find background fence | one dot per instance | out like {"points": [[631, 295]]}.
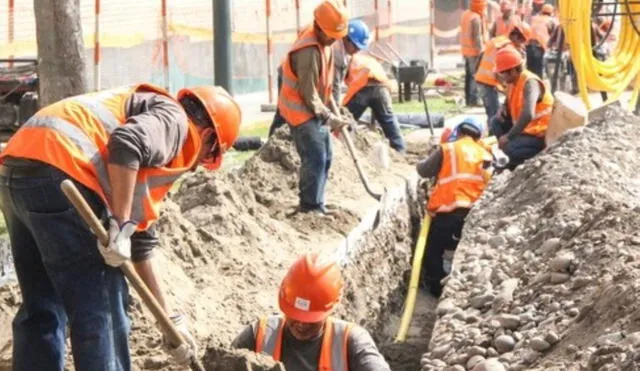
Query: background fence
{"points": [[132, 36]]}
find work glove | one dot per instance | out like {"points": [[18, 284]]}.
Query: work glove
{"points": [[336, 122], [183, 353], [119, 248], [344, 112]]}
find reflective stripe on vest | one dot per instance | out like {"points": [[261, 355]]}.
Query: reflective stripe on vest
{"points": [[333, 353], [540, 28], [467, 43], [540, 121], [461, 179], [485, 72], [362, 68], [72, 135], [290, 102]]}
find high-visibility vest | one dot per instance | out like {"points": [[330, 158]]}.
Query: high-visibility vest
{"points": [[290, 102], [485, 73], [362, 68], [503, 27], [72, 135], [540, 28], [333, 354], [540, 122], [469, 48], [461, 179]]}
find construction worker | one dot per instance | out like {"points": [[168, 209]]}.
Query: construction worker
{"points": [[522, 121], [503, 24], [542, 25], [123, 148], [472, 37], [307, 104], [459, 168], [368, 85], [485, 75], [306, 337]]}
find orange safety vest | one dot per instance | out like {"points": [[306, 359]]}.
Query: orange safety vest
{"points": [[540, 27], [290, 102], [72, 135], [461, 179], [540, 122], [362, 68], [466, 38], [333, 354], [503, 27], [485, 73]]}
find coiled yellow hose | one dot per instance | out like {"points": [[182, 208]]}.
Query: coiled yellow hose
{"points": [[616, 73]]}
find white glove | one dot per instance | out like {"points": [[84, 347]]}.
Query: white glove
{"points": [[336, 122], [183, 353], [119, 248], [344, 112]]}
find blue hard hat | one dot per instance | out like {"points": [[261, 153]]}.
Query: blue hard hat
{"points": [[359, 34], [471, 124]]}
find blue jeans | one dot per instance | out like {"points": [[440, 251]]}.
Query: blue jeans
{"points": [[63, 280], [521, 147], [470, 87], [313, 144], [535, 59], [379, 99], [490, 99]]}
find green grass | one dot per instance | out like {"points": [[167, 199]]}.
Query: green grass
{"points": [[259, 129], [436, 105]]}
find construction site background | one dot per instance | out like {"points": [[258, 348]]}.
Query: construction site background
{"points": [[131, 36]]}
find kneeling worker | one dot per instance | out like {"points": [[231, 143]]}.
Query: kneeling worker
{"points": [[522, 122], [368, 85], [306, 338], [459, 169]]}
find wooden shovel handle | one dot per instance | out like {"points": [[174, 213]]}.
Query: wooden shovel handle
{"points": [[175, 338]]}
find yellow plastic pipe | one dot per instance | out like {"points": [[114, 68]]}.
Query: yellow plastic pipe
{"points": [[410, 302]]}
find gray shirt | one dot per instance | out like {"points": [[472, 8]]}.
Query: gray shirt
{"points": [[298, 355]]}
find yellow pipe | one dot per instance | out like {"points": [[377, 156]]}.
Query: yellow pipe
{"points": [[410, 302]]}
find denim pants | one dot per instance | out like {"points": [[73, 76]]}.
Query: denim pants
{"points": [[490, 99], [379, 99], [521, 147], [313, 144], [63, 280], [470, 87], [535, 59]]}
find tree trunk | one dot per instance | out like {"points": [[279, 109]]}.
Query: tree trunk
{"points": [[61, 56]]}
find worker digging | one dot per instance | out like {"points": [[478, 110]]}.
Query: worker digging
{"points": [[173, 228]]}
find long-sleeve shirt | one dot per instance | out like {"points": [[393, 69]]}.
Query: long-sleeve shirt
{"points": [[303, 355], [306, 64]]}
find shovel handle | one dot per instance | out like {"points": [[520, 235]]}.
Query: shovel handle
{"points": [[175, 338], [363, 176]]}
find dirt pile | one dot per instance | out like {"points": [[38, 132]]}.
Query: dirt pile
{"points": [[546, 276]]}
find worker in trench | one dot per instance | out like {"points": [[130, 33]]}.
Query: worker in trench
{"points": [[472, 38], [485, 75], [521, 123], [542, 26], [306, 337], [123, 148], [307, 104], [368, 85], [459, 167]]}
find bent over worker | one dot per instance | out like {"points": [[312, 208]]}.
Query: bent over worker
{"points": [[123, 149], [306, 101], [306, 337], [368, 85], [459, 169], [521, 123], [472, 36], [485, 75]]}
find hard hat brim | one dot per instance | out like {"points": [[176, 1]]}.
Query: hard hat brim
{"points": [[300, 315]]}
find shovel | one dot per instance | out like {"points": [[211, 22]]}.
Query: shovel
{"points": [[363, 176], [175, 338]]}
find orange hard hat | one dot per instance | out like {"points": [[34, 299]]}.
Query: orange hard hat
{"points": [[547, 9], [311, 288], [506, 5], [444, 137], [225, 114], [524, 29], [507, 58], [538, 2], [478, 6], [332, 18]]}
